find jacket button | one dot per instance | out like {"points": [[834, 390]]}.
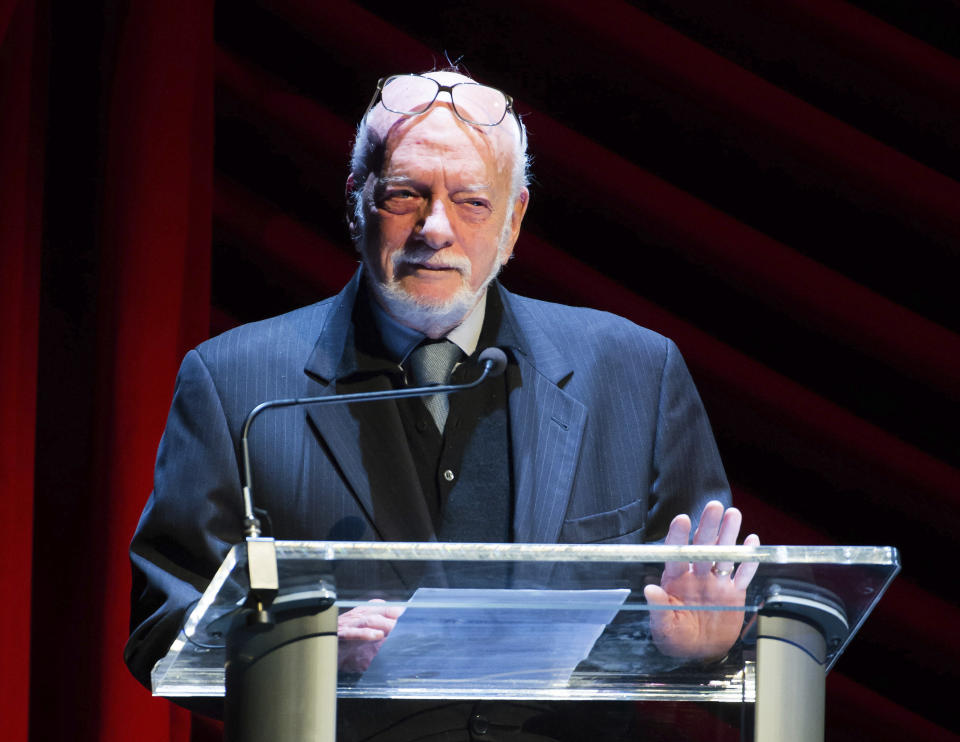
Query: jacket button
{"points": [[479, 724], [448, 475]]}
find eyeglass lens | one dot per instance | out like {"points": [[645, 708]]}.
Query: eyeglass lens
{"points": [[472, 102]]}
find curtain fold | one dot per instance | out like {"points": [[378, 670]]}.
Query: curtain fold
{"points": [[128, 293], [22, 91], [154, 306]]}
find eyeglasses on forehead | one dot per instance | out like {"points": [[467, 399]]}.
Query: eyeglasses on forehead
{"points": [[471, 102]]}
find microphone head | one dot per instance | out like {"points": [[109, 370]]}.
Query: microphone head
{"points": [[495, 359]]}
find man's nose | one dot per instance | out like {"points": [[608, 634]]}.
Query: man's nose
{"points": [[436, 230]]}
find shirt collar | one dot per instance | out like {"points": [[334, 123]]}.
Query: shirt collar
{"points": [[466, 335]]}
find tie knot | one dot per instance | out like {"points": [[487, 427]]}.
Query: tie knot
{"points": [[432, 361]]}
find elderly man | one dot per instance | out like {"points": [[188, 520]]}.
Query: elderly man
{"points": [[593, 434]]}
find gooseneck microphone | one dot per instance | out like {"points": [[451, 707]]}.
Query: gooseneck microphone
{"points": [[493, 360], [261, 552]]}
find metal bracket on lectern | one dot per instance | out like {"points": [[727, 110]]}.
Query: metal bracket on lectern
{"points": [[264, 581]]}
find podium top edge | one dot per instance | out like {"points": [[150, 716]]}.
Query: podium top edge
{"points": [[442, 551]]}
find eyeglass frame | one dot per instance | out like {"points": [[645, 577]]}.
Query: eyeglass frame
{"points": [[508, 99]]}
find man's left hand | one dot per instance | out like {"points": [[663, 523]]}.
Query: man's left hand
{"points": [[701, 634]]}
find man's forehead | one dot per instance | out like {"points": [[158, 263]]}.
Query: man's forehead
{"points": [[420, 144]]}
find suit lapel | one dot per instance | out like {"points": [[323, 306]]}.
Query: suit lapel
{"points": [[546, 431], [366, 441], [368, 444]]}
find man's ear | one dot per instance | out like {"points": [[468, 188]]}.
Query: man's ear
{"points": [[350, 213], [518, 209]]}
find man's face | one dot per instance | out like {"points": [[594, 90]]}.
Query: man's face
{"points": [[440, 216]]}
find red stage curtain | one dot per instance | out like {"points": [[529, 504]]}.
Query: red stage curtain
{"points": [[155, 304], [22, 90], [152, 119], [156, 275]]}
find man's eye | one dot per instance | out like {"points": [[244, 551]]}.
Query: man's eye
{"points": [[400, 201]]}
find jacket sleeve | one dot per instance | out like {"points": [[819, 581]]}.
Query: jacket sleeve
{"points": [[687, 472], [190, 521]]}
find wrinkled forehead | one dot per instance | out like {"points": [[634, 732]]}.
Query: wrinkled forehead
{"points": [[437, 141]]}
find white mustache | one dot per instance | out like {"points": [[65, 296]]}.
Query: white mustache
{"points": [[431, 259]]}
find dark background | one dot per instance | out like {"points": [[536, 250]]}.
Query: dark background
{"points": [[773, 184]]}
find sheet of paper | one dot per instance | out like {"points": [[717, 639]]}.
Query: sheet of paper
{"points": [[464, 637]]}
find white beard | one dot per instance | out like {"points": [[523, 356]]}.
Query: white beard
{"points": [[434, 318]]}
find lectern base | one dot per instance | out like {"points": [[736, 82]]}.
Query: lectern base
{"points": [[281, 681], [791, 683]]}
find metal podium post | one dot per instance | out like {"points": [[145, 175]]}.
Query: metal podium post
{"points": [[281, 678], [797, 626]]}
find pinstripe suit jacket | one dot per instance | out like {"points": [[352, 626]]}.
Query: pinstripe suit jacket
{"points": [[608, 436]]}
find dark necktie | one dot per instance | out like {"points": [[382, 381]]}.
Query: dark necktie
{"points": [[432, 362]]}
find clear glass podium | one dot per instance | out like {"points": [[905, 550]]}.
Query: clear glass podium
{"points": [[545, 622]]}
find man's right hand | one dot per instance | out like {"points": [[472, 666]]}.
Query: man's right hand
{"points": [[361, 631]]}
